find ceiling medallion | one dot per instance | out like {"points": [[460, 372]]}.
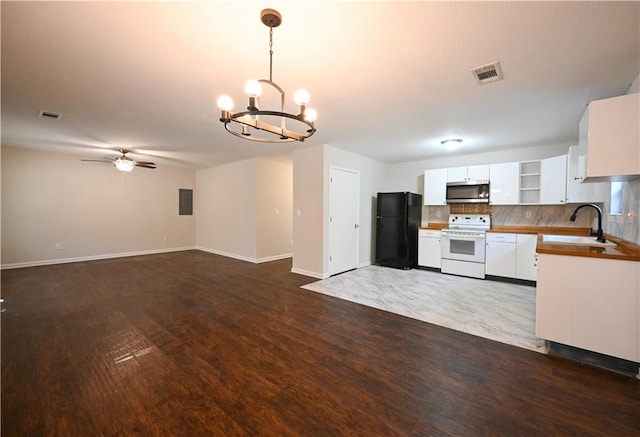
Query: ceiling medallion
{"points": [[249, 125]]}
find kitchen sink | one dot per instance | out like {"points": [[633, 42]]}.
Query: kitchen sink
{"points": [[575, 239]]}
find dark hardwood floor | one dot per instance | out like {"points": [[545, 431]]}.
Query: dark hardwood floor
{"points": [[191, 343]]}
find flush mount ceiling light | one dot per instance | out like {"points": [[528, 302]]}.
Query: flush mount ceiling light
{"points": [[451, 144], [249, 125]]}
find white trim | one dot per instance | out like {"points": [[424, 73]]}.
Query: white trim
{"points": [[364, 264], [245, 258], [310, 273], [91, 258]]}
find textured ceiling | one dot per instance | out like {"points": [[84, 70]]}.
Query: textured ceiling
{"points": [[389, 80]]}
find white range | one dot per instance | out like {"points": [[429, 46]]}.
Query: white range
{"points": [[463, 244]]}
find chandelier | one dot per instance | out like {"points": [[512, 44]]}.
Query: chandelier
{"points": [[249, 124]]}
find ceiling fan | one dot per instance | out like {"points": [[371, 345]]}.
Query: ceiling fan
{"points": [[124, 163]]}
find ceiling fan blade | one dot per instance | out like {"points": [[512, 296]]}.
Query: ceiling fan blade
{"points": [[149, 165], [145, 162]]}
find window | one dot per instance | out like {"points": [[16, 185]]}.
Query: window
{"points": [[616, 198]]}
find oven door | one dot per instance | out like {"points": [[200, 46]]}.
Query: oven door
{"points": [[469, 247]]}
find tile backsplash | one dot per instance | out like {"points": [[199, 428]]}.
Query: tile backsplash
{"points": [[625, 225], [516, 215]]}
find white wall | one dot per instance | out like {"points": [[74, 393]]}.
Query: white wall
{"points": [[371, 180], [409, 176], [244, 210], [311, 189], [308, 211], [274, 209], [226, 209], [90, 209]]}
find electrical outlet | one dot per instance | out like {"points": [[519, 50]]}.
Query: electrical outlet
{"points": [[438, 214], [277, 211], [58, 246], [291, 243], [527, 214], [164, 238]]}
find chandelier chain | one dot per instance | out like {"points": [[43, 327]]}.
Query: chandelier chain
{"points": [[271, 54]]}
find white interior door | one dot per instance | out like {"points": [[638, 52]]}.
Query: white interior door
{"points": [[344, 216]]}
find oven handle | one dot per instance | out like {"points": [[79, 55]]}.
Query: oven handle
{"points": [[462, 237]]}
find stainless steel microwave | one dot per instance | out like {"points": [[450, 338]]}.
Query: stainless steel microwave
{"points": [[468, 192]]}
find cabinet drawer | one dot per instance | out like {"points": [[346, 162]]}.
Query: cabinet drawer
{"points": [[494, 237], [430, 233]]}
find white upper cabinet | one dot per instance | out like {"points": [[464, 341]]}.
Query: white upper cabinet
{"points": [[553, 180], [504, 183], [435, 186], [610, 130], [577, 191], [470, 173]]}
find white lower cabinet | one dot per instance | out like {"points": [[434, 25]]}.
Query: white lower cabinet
{"points": [[500, 255], [526, 264], [511, 255], [589, 303], [429, 248]]}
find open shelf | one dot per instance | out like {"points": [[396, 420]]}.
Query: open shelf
{"points": [[530, 182]]}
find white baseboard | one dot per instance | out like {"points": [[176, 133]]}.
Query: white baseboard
{"points": [[322, 275], [245, 258], [91, 258], [309, 273]]}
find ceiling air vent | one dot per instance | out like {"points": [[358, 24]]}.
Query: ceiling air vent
{"points": [[488, 73], [49, 114]]}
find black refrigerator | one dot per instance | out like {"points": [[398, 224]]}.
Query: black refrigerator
{"points": [[398, 218]]}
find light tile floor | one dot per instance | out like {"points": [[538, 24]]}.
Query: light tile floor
{"points": [[495, 310]]}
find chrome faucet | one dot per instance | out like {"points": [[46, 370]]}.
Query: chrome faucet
{"points": [[600, 234]]}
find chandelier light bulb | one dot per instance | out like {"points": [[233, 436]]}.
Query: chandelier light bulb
{"points": [[225, 103], [253, 88], [310, 115], [301, 97]]}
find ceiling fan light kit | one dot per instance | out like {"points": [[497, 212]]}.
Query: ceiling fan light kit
{"points": [[248, 125], [124, 163]]}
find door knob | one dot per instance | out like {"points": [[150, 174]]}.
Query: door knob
{"points": [[356, 226]]}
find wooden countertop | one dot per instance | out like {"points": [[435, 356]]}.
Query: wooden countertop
{"points": [[558, 230], [435, 226], [624, 250]]}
